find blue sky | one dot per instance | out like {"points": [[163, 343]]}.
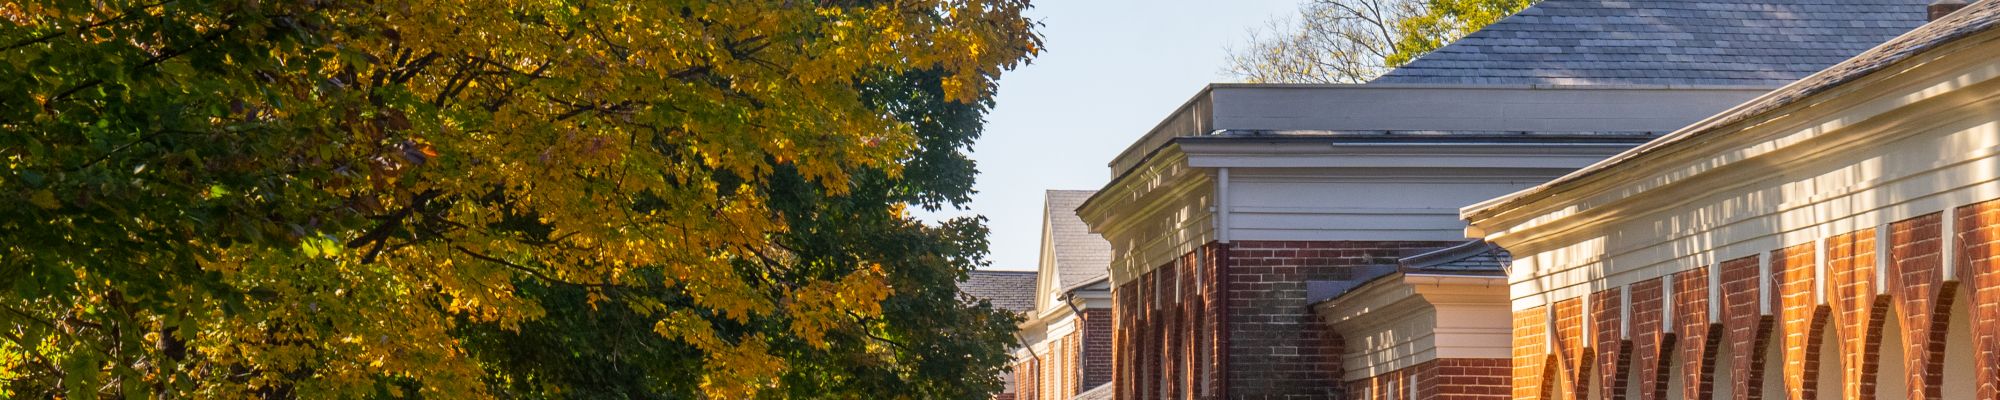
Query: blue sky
{"points": [[1112, 69]]}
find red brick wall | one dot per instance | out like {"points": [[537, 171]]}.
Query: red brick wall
{"points": [[1026, 380], [1978, 248], [1466, 379], [1650, 342], [1792, 271], [1171, 339], [1161, 319], [1096, 343], [1856, 307], [1857, 310], [1531, 363], [1277, 348], [1570, 349], [1916, 272], [1696, 333], [1611, 351], [1439, 379], [1746, 330]]}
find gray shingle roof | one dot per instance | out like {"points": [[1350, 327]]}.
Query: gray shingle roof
{"points": [[1081, 257], [1977, 18], [1007, 290], [1665, 42], [1102, 392], [1471, 258]]}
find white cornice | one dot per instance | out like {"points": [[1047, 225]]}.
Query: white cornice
{"points": [[1416, 318]]}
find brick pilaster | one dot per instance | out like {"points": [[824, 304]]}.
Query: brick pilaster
{"points": [[1792, 278], [1612, 352], [1697, 334], [1978, 252], [1747, 331], [1650, 342], [1531, 364], [1857, 310], [1916, 272], [1572, 353]]}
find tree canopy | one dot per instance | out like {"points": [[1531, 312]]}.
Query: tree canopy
{"points": [[1354, 41], [391, 198]]}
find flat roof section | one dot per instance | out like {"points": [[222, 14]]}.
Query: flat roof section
{"points": [[1527, 113]]}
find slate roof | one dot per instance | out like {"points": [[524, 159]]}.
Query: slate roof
{"points": [[1475, 257], [1979, 17], [1665, 42], [1470, 258], [1007, 290], [1102, 392], [1081, 257]]}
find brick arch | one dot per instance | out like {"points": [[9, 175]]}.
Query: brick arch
{"points": [[1804, 319], [1652, 345], [1857, 309], [1698, 362], [1572, 353], [1699, 334], [1548, 389], [1613, 355], [1663, 369], [1822, 332], [1747, 331], [1531, 359], [1978, 244], [1916, 275]]}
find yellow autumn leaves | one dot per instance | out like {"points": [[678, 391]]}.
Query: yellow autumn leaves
{"points": [[354, 181]]}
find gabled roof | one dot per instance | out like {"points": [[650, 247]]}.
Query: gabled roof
{"points": [[1979, 17], [1665, 42], [1080, 257], [1007, 290]]}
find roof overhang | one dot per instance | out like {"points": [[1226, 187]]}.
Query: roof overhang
{"points": [[1664, 161]]}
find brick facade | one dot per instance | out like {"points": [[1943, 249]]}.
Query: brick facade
{"points": [[1531, 364], [1978, 250], [1865, 280], [1075, 362], [1439, 379], [1169, 346], [1613, 353]]}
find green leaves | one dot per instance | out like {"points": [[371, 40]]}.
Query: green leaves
{"points": [[331, 199]]}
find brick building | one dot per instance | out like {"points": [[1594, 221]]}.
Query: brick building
{"points": [[1248, 199], [1838, 238], [1068, 332], [1304, 241]]}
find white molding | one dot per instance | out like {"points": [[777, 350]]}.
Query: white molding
{"points": [[1765, 286], [1625, 312], [1883, 250], [1402, 320], [1904, 143], [1948, 249]]}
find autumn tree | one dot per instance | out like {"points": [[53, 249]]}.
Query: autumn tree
{"points": [[929, 342], [336, 198], [1354, 41]]}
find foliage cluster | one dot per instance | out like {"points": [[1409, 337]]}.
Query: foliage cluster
{"points": [[493, 198]]}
